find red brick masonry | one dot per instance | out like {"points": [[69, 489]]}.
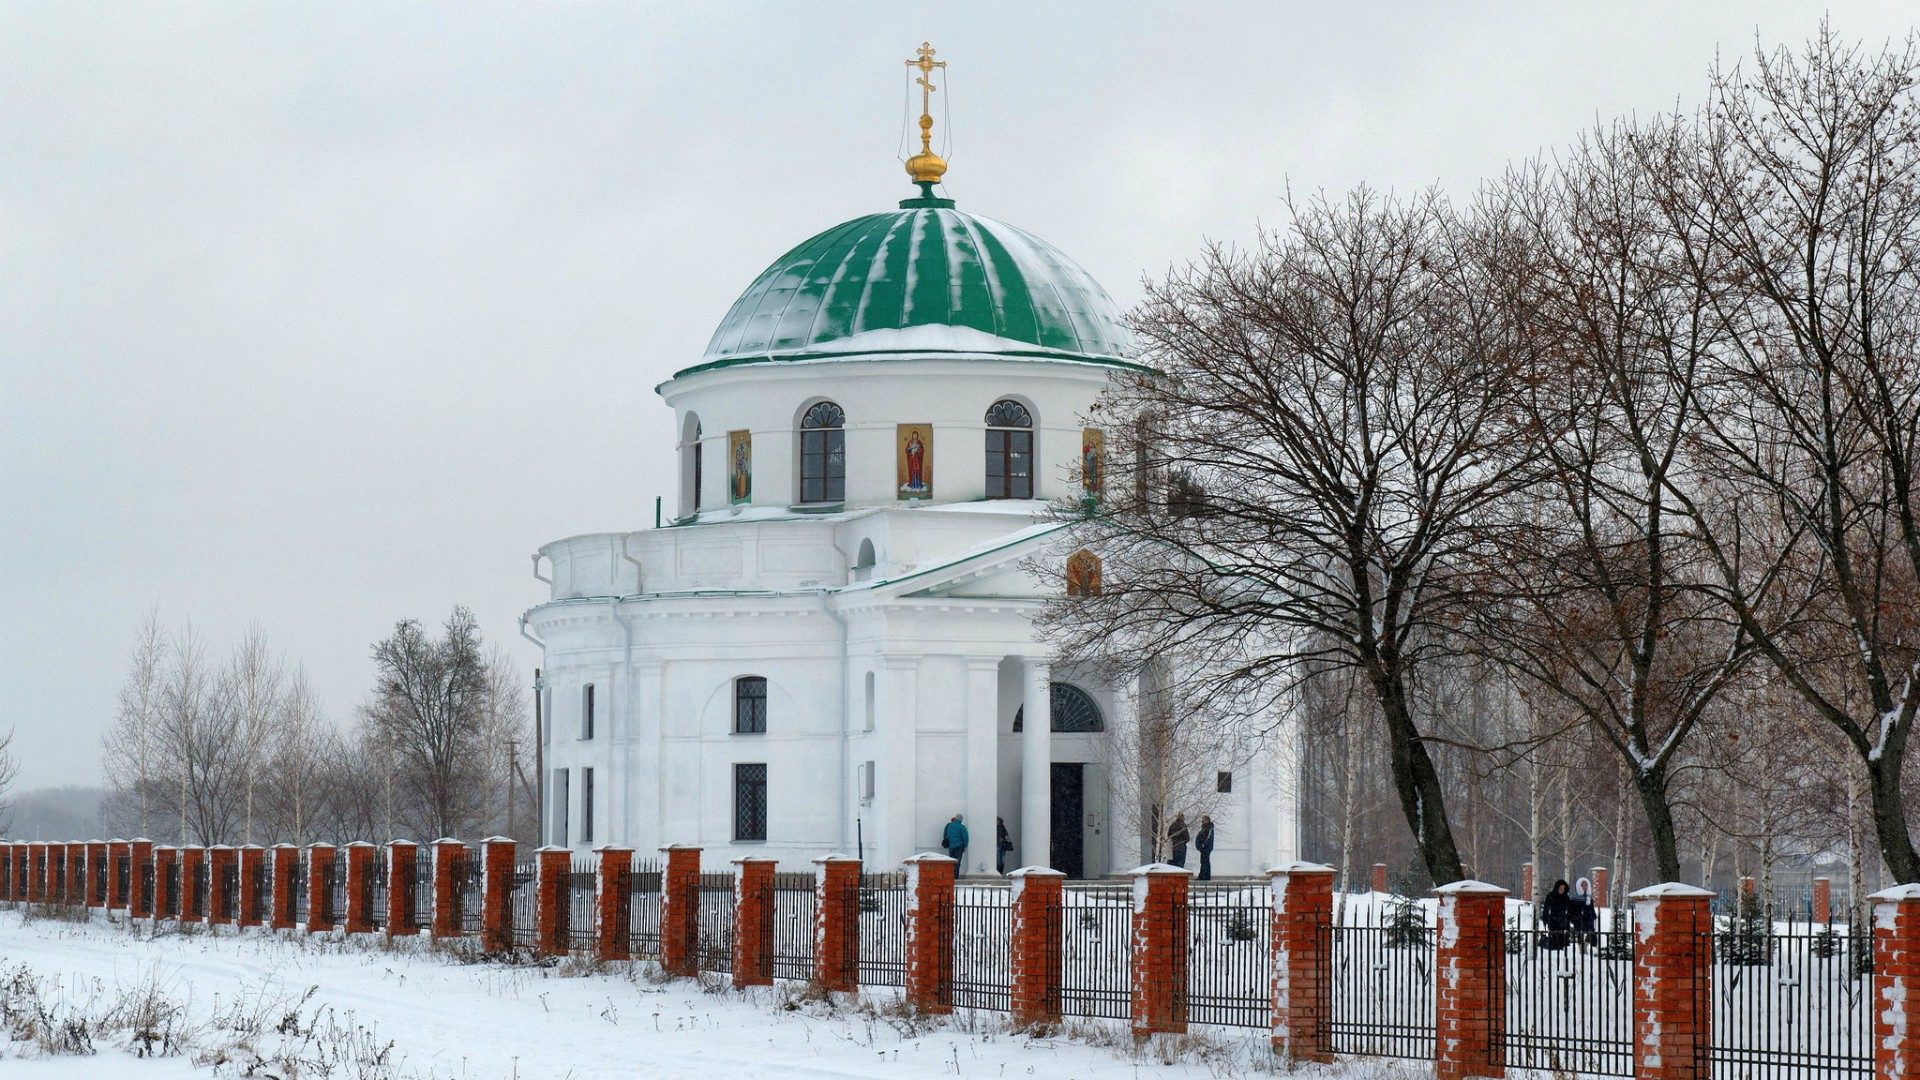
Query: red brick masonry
{"points": [[1672, 996], [1470, 981], [1302, 939]]}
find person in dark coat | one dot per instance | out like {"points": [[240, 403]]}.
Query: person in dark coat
{"points": [[1203, 843], [1003, 840], [954, 839], [1556, 911], [1178, 837], [1586, 917]]}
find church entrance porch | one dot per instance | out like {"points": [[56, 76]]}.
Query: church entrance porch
{"points": [[1069, 812]]}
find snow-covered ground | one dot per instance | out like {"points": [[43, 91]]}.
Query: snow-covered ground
{"points": [[221, 1004]]}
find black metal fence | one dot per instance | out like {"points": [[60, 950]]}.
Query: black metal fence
{"points": [[197, 901], [1791, 998], [643, 910], [580, 910], [466, 893], [373, 893], [297, 890], [260, 895], [1229, 955], [175, 901], [229, 892], [793, 926], [883, 929], [716, 922], [1570, 995], [1382, 972], [1096, 951], [525, 912], [982, 948]]}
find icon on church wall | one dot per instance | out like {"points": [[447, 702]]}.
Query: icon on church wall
{"points": [[739, 466], [1093, 462], [914, 461], [1083, 574]]}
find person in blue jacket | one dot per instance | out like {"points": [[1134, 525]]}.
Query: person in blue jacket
{"points": [[954, 839]]}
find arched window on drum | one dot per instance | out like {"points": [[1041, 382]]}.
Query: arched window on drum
{"points": [[823, 454], [1009, 451]]}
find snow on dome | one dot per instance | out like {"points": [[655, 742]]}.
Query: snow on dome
{"points": [[921, 279]]}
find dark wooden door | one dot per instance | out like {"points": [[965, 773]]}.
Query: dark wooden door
{"points": [[1069, 811]]}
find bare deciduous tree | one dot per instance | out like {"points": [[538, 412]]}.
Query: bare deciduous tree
{"points": [[429, 711]]}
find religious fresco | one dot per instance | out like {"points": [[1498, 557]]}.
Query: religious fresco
{"points": [[1083, 573], [913, 461], [1093, 462], [739, 466]]}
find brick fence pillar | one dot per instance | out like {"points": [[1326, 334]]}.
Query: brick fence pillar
{"points": [[1379, 877], [1526, 883], [139, 889], [1896, 983], [360, 855], [496, 894], [1747, 888], [6, 871], [1302, 943], [1470, 981], [321, 917], [220, 859], [613, 906], [1822, 900], [282, 906], [930, 898], [1034, 931], [753, 920], [552, 867], [1600, 878], [193, 861], [253, 869], [1672, 969], [680, 911], [1159, 950], [449, 861], [119, 861], [401, 905], [166, 894], [836, 923]]}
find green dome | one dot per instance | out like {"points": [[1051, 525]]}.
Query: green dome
{"points": [[922, 279]]}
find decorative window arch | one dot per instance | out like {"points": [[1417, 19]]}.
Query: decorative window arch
{"points": [[750, 705], [1083, 574], [865, 561], [1073, 711], [823, 454], [691, 476], [1009, 450]]}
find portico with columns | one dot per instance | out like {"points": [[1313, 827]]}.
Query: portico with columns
{"points": [[826, 642]]}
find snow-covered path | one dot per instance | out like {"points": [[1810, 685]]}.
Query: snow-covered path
{"points": [[450, 1019]]}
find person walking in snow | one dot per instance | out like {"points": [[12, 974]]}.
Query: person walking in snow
{"points": [[1003, 842], [1177, 836], [1203, 843], [1556, 911], [1585, 917], [954, 839]]}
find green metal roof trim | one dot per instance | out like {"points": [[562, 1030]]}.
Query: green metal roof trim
{"points": [[921, 279]]}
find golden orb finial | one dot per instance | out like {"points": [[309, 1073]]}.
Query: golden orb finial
{"points": [[926, 167]]}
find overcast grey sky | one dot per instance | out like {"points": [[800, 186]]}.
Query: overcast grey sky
{"points": [[327, 315]]}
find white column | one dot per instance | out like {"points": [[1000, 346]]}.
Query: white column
{"points": [[1034, 845], [896, 793], [983, 764], [640, 826]]}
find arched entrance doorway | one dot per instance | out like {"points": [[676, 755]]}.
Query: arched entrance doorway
{"points": [[1073, 713]]}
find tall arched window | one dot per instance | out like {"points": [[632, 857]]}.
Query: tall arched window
{"points": [[823, 454], [696, 468], [690, 472], [1009, 451]]}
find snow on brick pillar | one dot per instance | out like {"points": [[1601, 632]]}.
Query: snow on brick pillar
{"points": [[193, 906], [680, 911], [166, 902], [836, 923], [930, 888], [1746, 887], [220, 859], [1302, 942], [1896, 983], [281, 907], [1822, 900], [320, 871], [1379, 877], [1470, 982], [1526, 882], [359, 918], [139, 888], [448, 861], [551, 869], [1599, 880], [1035, 929], [496, 894], [753, 920], [119, 857], [1160, 949], [253, 863], [1672, 969], [401, 904], [613, 905]]}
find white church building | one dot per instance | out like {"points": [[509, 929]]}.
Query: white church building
{"points": [[828, 644]]}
